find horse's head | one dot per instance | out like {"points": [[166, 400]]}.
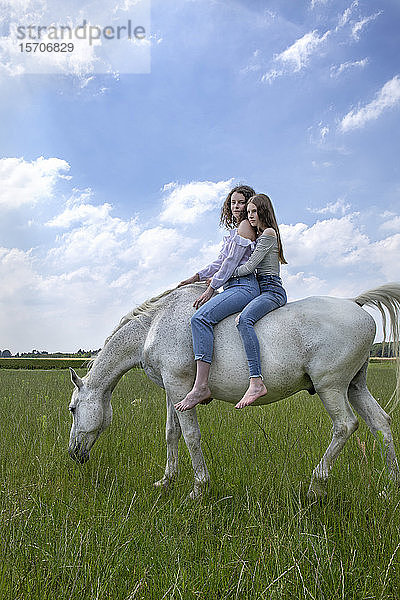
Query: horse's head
{"points": [[91, 414]]}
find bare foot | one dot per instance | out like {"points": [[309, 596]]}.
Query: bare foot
{"points": [[251, 395], [196, 396]]}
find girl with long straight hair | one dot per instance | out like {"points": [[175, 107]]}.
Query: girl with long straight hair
{"points": [[266, 259]]}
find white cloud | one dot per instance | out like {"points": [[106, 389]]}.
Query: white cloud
{"points": [[186, 203], [383, 256], [300, 285], [334, 208], [74, 284], [254, 63], [345, 17], [324, 130], [86, 213], [160, 246], [359, 26], [315, 3], [296, 57], [387, 97], [97, 266], [334, 257], [325, 164], [356, 64], [356, 26], [338, 245], [330, 242], [16, 274], [271, 75], [126, 5], [98, 239], [392, 225], [27, 183], [204, 256], [319, 135]]}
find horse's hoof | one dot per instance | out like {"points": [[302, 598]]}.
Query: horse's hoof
{"points": [[317, 489], [163, 483], [199, 491]]}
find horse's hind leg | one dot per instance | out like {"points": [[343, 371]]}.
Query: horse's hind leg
{"points": [[375, 417], [344, 424], [172, 434]]}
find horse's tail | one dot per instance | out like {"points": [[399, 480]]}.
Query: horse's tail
{"points": [[387, 296]]}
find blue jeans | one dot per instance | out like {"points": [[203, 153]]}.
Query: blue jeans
{"points": [[272, 296], [238, 291]]}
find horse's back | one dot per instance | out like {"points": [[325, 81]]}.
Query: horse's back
{"points": [[297, 341]]}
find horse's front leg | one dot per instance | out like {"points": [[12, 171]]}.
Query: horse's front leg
{"points": [[173, 433], [192, 436], [189, 425]]}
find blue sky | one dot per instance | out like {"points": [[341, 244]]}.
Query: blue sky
{"points": [[111, 184]]}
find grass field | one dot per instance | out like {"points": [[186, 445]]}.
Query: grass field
{"points": [[43, 363], [101, 531]]}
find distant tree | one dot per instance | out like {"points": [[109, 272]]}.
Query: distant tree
{"points": [[385, 350], [6, 354]]}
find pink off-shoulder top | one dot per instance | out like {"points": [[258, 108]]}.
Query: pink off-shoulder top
{"points": [[235, 251]]}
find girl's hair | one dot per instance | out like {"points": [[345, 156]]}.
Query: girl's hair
{"points": [[266, 214], [226, 212]]}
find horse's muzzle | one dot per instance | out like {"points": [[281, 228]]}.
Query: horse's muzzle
{"points": [[78, 453]]}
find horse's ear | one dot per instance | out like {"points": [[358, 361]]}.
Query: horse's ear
{"points": [[76, 380]]}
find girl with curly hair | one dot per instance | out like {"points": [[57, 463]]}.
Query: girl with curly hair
{"points": [[238, 291]]}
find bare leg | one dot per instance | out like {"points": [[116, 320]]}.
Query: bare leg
{"points": [[256, 390], [200, 392]]}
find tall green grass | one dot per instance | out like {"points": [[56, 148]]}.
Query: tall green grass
{"points": [[101, 531]]}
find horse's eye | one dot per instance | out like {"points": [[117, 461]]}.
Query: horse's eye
{"points": [[71, 409]]}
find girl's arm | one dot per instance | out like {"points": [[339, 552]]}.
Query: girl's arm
{"points": [[237, 249], [264, 245], [210, 269], [213, 267]]}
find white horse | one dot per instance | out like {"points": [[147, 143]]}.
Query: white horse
{"points": [[319, 344]]}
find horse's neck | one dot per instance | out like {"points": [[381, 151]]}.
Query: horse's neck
{"points": [[122, 352]]}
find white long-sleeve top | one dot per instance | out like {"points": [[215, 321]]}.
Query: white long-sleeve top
{"points": [[235, 251]]}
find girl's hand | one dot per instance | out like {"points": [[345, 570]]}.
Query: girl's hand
{"points": [[204, 297], [190, 280]]}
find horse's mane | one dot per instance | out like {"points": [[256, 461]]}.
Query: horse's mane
{"points": [[146, 309]]}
